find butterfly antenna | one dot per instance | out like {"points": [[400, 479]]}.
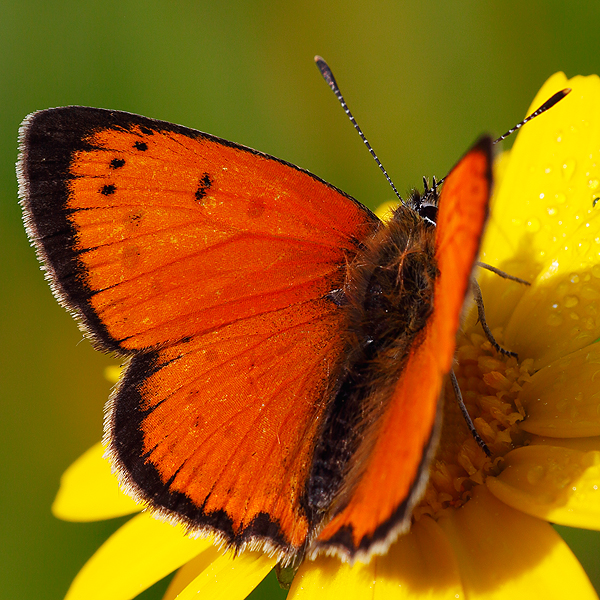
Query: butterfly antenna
{"points": [[536, 113], [542, 109], [331, 82]]}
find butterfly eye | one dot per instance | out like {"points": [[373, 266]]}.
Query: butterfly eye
{"points": [[428, 212]]}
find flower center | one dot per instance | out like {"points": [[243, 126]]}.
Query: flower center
{"points": [[490, 383]]}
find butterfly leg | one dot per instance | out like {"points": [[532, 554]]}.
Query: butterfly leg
{"points": [[502, 274], [466, 415], [481, 312]]}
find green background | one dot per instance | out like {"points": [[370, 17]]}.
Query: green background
{"points": [[423, 78]]}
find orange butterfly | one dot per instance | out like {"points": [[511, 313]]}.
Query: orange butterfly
{"points": [[286, 349]]}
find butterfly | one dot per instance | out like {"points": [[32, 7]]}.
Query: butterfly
{"points": [[285, 349]]}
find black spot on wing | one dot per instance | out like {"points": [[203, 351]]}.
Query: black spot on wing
{"points": [[108, 189], [117, 163], [204, 185]]}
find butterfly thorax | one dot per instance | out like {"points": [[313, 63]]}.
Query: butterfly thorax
{"points": [[389, 294]]}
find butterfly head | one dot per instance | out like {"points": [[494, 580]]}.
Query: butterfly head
{"points": [[425, 203]]}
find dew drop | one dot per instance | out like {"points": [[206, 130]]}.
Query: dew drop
{"points": [[551, 210], [593, 184], [554, 320], [570, 301], [533, 224], [535, 474], [562, 405], [583, 248], [596, 271], [560, 198], [589, 292], [574, 278], [568, 168]]}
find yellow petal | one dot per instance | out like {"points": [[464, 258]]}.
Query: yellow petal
{"points": [[188, 572], [386, 210], [546, 194], [135, 557], [558, 484], [227, 577], [419, 565], [328, 577], [563, 399], [90, 492], [112, 373], [559, 312], [506, 554]]}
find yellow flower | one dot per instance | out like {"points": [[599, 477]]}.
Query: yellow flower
{"points": [[482, 528]]}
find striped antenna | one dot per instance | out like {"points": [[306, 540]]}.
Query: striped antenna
{"points": [[542, 109], [536, 113], [331, 82]]}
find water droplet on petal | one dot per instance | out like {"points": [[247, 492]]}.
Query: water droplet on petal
{"points": [[571, 301], [562, 405], [535, 474], [554, 320], [568, 168], [589, 292], [583, 248]]}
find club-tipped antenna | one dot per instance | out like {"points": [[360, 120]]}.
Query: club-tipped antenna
{"points": [[542, 109], [536, 113], [331, 82]]}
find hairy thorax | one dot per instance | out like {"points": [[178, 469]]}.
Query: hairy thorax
{"points": [[388, 296]]}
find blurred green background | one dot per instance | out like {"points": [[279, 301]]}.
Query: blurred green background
{"points": [[423, 78]]}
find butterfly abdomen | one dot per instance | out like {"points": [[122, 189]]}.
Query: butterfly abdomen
{"points": [[389, 291]]}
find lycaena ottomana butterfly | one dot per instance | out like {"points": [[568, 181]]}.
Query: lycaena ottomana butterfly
{"points": [[285, 349]]}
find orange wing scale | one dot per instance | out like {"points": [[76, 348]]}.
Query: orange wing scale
{"points": [[396, 472]]}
